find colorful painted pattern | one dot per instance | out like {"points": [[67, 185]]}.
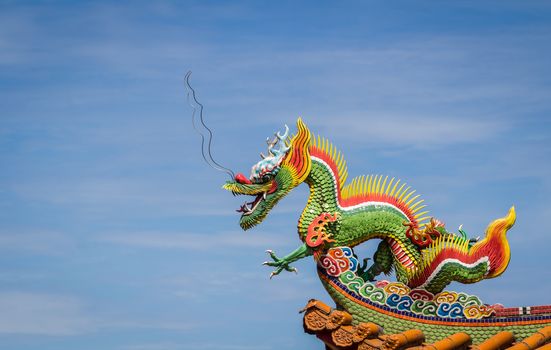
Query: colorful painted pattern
{"points": [[395, 321], [338, 261], [341, 263]]}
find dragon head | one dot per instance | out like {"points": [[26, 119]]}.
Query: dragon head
{"points": [[274, 175]]}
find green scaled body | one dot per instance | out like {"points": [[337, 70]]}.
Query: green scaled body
{"points": [[338, 216]]}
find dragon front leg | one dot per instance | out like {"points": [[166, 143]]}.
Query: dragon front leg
{"points": [[284, 263]]}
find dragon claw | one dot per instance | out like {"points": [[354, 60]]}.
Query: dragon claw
{"points": [[284, 263], [279, 264], [272, 255], [290, 268]]}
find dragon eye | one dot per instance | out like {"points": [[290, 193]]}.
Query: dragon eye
{"points": [[262, 178]]}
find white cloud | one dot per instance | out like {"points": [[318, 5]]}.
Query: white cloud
{"points": [[35, 241], [421, 132], [192, 241], [59, 315], [110, 196], [149, 323], [42, 314], [154, 346], [15, 30], [234, 280]]}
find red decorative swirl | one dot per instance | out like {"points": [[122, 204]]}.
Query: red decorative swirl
{"points": [[330, 265], [421, 294], [317, 235]]}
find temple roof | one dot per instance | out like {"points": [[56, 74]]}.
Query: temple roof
{"points": [[335, 329]]}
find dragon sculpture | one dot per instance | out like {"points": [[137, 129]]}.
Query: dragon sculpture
{"points": [[420, 250]]}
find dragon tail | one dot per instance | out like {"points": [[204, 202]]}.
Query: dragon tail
{"points": [[495, 245], [451, 258]]}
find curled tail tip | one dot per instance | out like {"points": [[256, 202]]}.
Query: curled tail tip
{"points": [[496, 231], [503, 224], [496, 246], [511, 217]]}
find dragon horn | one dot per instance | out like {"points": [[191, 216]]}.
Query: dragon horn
{"points": [[298, 159], [285, 134], [278, 137], [271, 143], [283, 147]]}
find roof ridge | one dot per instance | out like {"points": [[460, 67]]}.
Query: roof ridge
{"points": [[338, 331]]}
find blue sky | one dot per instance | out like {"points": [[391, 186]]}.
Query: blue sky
{"points": [[115, 235]]}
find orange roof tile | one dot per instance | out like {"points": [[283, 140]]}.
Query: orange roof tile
{"points": [[499, 341], [335, 329], [534, 341]]}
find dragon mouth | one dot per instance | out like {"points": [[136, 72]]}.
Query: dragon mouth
{"points": [[400, 254], [261, 193], [249, 207]]}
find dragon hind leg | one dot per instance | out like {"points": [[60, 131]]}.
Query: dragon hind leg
{"points": [[382, 263]]}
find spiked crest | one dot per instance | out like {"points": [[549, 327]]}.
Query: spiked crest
{"points": [[298, 160]]}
